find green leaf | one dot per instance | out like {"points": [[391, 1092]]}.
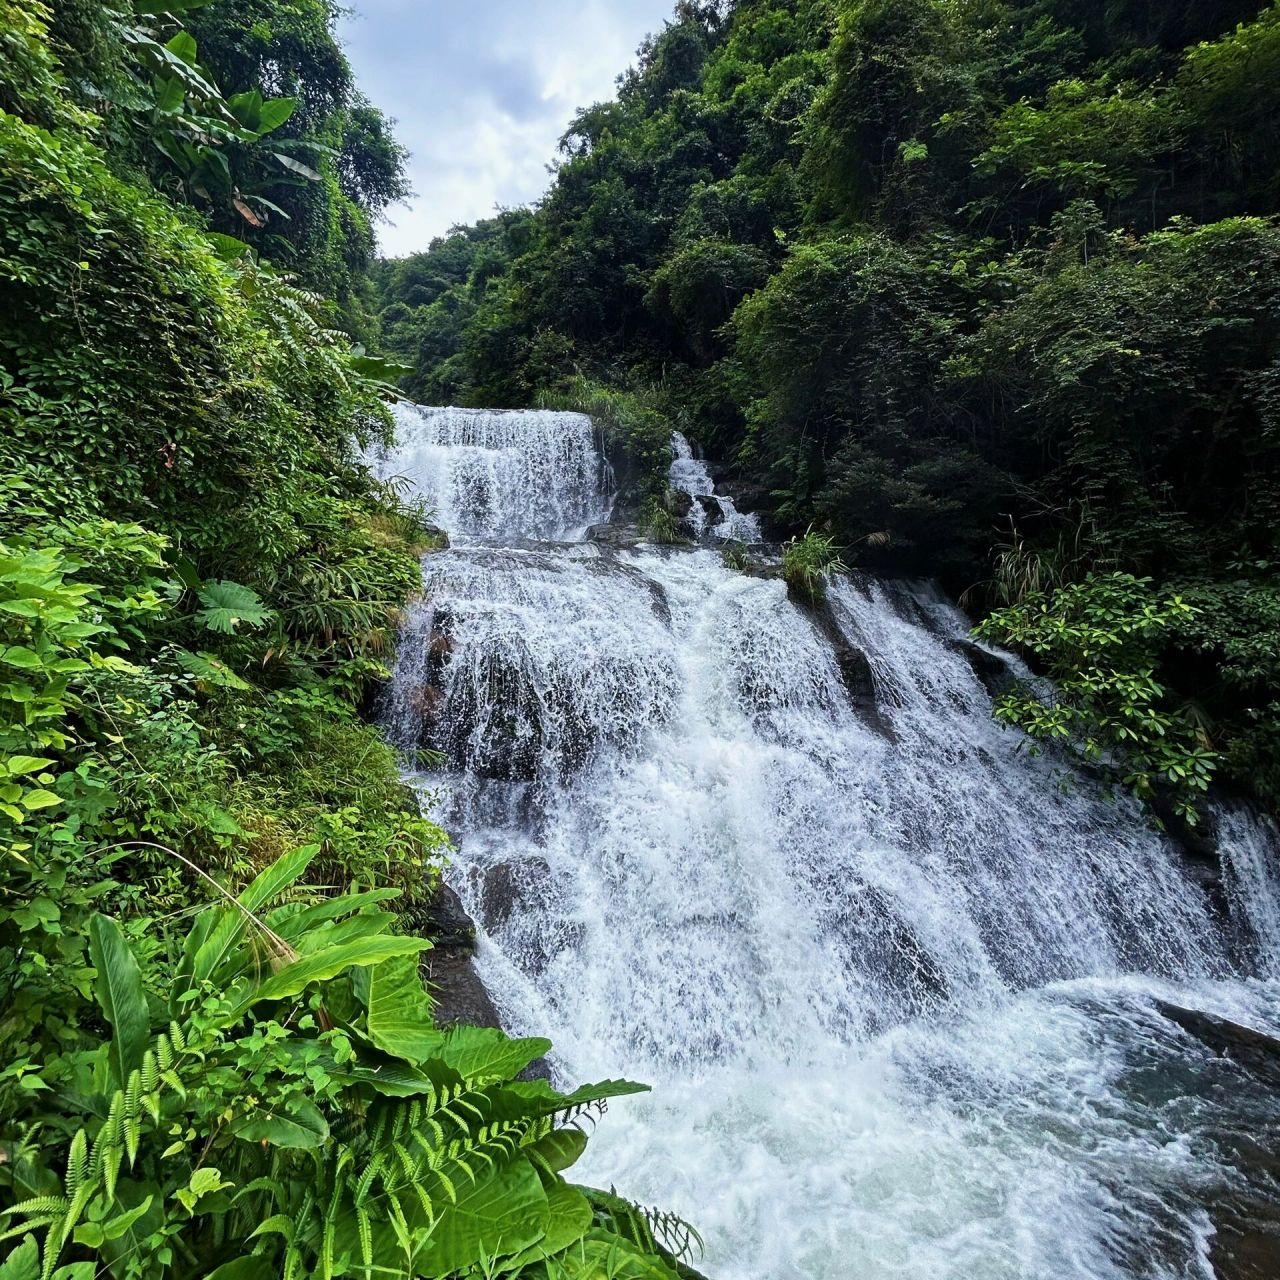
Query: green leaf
{"points": [[228, 604], [502, 1214], [296, 166], [558, 1149], [246, 1268], [209, 670], [272, 881], [115, 1227], [23, 1263], [299, 1125], [117, 987], [39, 798], [146, 8], [602, 1253], [22, 658], [275, 111], [183, 46], [398, 1011], [486, 1054], [293, 979], [25, 764], [170, 92]]}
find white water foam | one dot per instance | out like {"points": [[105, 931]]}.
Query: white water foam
{"points": [[893, 985], [690, 475], [495, 476]]}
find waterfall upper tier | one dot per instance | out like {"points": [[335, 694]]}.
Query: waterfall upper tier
{"points": [[709, 512], [497, 475]]}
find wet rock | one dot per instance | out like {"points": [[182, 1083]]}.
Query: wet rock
{"points": [[1255, 1051], [506, 885], [678, 502], [437, 538], [855, 670], [444, 920], [457, 993], [991, 669], [614, 535], [711, 505]]}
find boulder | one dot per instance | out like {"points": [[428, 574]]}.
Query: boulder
{"points": [[1255, 1051], [711, 505]]}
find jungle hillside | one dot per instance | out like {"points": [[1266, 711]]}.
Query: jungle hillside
{"points": [[983, 290]]}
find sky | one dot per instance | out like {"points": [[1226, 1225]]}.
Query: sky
{"points": [[482, 90]]}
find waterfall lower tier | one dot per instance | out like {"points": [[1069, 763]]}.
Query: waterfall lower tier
{"points": [[895, 985]]}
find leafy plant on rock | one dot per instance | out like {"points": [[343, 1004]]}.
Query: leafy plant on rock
{"points": [[808, 562], [1099, 640], [267, 1096]]}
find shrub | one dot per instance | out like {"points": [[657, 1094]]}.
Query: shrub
{"points": [[807, 564]]}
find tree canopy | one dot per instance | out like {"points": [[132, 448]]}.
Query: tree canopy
{"points": [[952, 278]]}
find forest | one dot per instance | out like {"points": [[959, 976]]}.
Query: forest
{"points": [[984, 290], [979, 291]]}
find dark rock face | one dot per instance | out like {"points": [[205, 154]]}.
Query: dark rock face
{"points": [[711, 505], [991, 669], [1255, 1051], [678, 503], [855, 669], [457, 993], [1246, 1240], [445, 921]]}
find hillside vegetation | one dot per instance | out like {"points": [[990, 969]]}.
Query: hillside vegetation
{"points": [[981, 289], [217, 1058]]}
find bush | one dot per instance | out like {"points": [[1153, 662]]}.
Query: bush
{"points": [[263, 1093], [807, 564]]}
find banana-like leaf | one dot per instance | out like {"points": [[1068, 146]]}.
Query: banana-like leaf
{"points": [[246, 1268], [275, 111], [295, 978], [272, 881], [117, 987], [218, 930], [504, 1213], [296, 166], [292, 921], [148, 8]]}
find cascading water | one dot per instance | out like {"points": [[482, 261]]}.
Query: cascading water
{"points": [[895, 988], [498, 476], [709, 509]]}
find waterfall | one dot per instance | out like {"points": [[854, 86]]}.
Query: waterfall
{"points": [[894, 978], [690, 475], [499, 476]]}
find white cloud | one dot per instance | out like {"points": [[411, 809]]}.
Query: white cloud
{"points": [[481, 92]]}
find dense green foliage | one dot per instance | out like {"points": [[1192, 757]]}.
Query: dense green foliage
{"points": [[269, 1097], [199, 585], [950, 278]]}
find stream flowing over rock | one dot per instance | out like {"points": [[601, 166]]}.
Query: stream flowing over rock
{"points": [[901, 988]]}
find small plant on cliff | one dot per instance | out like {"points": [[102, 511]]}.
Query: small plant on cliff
{"points": [[1100, 640], [735, 555], [660, 525], [807, 564]]}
